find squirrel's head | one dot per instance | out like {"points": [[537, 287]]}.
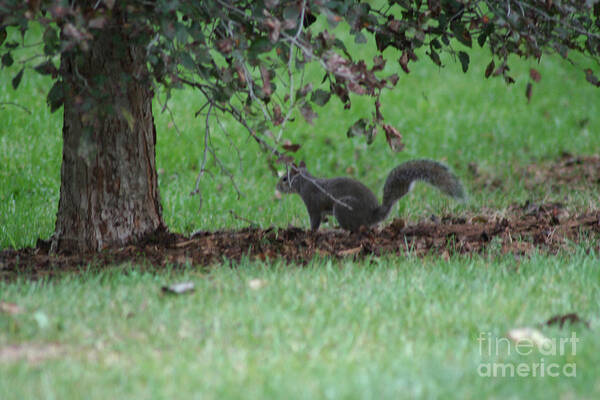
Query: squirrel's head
{"points": [[286, 182]]}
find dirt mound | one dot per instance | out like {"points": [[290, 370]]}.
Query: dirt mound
{"points": [[547, 227], [576, 173], [569, 171]]}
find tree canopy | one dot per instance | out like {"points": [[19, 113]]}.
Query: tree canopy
{"points": [[247, 57]]}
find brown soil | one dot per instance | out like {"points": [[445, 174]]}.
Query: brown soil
{"points": [[573, 172], [547, 227], [576, 173]]}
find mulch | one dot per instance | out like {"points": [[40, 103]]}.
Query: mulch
{"points": [[519, 230], [525, 228]]}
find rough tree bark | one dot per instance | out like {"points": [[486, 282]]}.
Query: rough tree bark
{"points": [[109, 190]]}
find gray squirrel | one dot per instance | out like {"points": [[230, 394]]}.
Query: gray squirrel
{"points": [[352, 203]]}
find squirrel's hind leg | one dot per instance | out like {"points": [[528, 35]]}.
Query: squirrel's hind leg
{"points": [[350, 219]]}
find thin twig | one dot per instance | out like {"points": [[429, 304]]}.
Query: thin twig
{"points": [[236, 216], [203, 164], [315, 182], [165, 107], [10, 103]]}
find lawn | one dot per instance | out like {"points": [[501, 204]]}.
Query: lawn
{"points": [[387, 327]]}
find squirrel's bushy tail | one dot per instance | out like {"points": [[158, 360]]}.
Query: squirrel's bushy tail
{"points": [[401, 178]]}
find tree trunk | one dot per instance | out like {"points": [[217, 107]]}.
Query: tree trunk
{"points": [[109, 191]]}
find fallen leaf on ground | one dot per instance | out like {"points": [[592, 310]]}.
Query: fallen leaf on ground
{"points": [[10, 308], [179, 288], [31, 352], [571, 318], [256, 284], [349, 252], [530, 335]]}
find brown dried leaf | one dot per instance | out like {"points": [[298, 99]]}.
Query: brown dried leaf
{"points": [[394, 25], [393, 137], [285, 159], [277, 115], [274, 26], [378, 63], [306, 89], [33, 353], [308, 113], [535, 75], [224, 45], [349, 252], [479, 219], [10, 308], [356, 88], [291, 147], [264, 74], [404, 62], [591, 78], [378, 114]]}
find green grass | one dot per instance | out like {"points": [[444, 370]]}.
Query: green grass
{"points": [[385, 328], [378, 328]]}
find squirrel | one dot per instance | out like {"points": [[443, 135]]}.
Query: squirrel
{"points": [[353, 204]]}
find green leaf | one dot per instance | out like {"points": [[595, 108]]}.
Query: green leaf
{"points": [[487, 31], [489, 69], [320, 97], [181, 33], [7, 60], [260, 45], [359, 38], [461, 33], [51, 42], [17, 79], [3, 35], [221, 94], [11, 45], [481, 39], [464, 60], [187, 61], [434, 57], [56, 96], [46, 68], [292, 14]]}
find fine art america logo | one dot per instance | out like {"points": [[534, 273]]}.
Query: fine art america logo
{"points": [[525, 342]]}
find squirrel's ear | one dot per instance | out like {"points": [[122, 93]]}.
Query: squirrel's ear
{"points": [[302, 164]]}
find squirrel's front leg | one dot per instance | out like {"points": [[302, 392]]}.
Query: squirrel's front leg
{"points": [[315, 219]]}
